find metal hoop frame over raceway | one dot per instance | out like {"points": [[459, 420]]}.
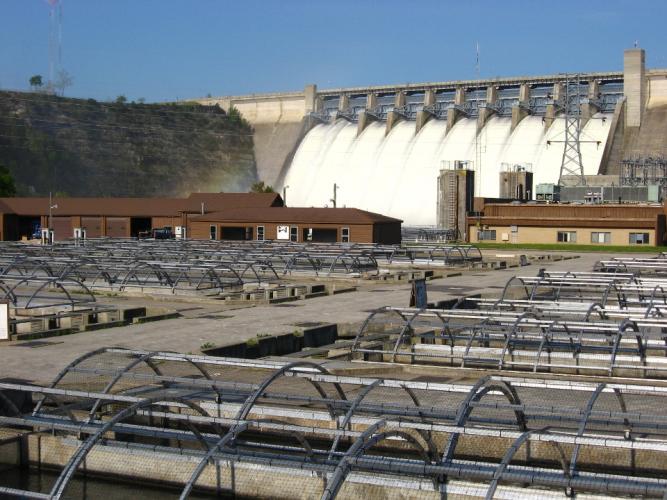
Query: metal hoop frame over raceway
{"points": [[435, 254], [207, 266], [581, 323], [285, 430], [45, 293], [180, 263], [638, 265]]}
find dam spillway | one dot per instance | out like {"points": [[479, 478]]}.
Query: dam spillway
{"points": [[395, 174]]}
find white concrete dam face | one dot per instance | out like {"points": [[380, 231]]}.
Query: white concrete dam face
{"points": [[397, 175]]}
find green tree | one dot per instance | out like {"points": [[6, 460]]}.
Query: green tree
{"points": [[260, 187], [36, 82], [121, 99], [7, 186], [235, 116]]}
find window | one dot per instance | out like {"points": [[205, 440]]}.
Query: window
{"points": [[294, 233], [282, 232], [214, 233], [309, 234], [639, 238], [600, 237], [345, 235], [260, 233], [567, 236], [248, 233], [486, 235]]}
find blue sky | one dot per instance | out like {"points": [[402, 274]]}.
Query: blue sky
{"points": [[169, 49]]}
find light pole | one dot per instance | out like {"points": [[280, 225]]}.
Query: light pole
{"points": [[51, 207], [285, 195], [333, 200]]}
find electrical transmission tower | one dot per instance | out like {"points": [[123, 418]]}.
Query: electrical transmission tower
{"points": [[571, 164]]}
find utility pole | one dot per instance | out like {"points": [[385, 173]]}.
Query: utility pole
{"points": [[333, 200]]}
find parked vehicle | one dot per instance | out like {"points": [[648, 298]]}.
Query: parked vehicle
{"points": [[36, 231], [163, 233]]}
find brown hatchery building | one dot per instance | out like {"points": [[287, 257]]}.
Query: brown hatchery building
{"points": [[345, 225], [116, 217], [584, 224]]}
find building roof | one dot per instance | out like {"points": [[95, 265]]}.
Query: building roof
{"points": [[314, 215], [215, 202], [138, 207], [91, 206], [570, 215], [565, 223], [565, 210]]}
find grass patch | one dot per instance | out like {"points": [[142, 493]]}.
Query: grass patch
{"points": [[207, 345], [568, 247]]}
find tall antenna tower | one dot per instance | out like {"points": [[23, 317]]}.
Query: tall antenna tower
{"points": [[571, 164], [55, 38]]}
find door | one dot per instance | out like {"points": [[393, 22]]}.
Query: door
{"points": [[93, 226], [118, 227], [62, 228]]}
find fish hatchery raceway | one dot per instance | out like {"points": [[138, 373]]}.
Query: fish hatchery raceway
{"points": [[274, 370], [185, 368], [81, 147]]}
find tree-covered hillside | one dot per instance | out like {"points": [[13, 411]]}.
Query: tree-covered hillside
{"points": [[78, 147]]}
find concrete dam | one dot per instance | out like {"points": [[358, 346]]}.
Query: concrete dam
{"points": [[384, 146]]}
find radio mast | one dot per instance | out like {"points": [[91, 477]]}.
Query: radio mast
{"points": [[55, 38]]}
